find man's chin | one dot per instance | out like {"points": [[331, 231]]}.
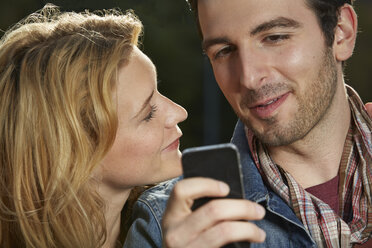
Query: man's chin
{"points": [[276, 136]]}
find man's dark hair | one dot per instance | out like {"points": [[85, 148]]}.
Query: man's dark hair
{"points": [[327, 12]]}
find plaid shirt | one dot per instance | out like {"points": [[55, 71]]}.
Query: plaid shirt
{"points": [[326, 227]]}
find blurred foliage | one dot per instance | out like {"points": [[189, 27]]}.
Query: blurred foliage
{"points": [[358, 71], [172, 42]]}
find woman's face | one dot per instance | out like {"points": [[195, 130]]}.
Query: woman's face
{"points": [[146, 148]]}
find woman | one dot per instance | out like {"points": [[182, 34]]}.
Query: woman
{"points": [[82, 124]]}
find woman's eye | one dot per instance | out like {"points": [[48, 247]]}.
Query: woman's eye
{"points": [[223, 52], [276, 38], [151, 113]]}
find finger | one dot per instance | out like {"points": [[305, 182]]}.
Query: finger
{"points": [[229, 232], [186, 191], [214, 212], [369, 108], [224, 209], [181, 199]]}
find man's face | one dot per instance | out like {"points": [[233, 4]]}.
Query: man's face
{"points": [[270, 61]]}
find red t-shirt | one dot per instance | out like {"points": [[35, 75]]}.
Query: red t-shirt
{"points": [[328, 193]]}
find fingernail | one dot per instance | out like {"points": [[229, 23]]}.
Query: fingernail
{"points": [[224, 187], [260, 210]]}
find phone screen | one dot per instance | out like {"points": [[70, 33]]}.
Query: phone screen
{"points": [[220, 162]]}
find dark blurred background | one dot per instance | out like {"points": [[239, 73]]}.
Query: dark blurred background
{"points": [[171, 41]]}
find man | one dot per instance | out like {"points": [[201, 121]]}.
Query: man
{"points": [[304, 136]]}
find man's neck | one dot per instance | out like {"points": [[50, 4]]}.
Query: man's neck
{"points": [[316, 158]]}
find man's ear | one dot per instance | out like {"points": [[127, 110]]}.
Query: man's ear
{"points": [[345, 33]]}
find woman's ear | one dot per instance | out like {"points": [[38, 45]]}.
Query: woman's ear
{"points": [[345, 33]]}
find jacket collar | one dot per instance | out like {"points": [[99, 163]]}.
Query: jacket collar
{"points": [[254, 187]]}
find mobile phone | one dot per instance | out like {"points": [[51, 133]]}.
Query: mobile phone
{"points": [[220, 162]]}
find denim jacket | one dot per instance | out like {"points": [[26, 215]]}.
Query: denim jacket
{"points": [[283, 228]]}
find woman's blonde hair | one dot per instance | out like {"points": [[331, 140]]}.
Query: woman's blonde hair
{"points": [[57, 122]]}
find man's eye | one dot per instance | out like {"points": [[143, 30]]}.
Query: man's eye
{"points": [[223, 52], [276, 38]]}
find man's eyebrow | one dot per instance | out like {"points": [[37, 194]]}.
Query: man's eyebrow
{"points": [[210, 42], [144, 105], [278, 22]]}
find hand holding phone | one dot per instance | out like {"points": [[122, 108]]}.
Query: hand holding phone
{"points": [[220, 162], [202, 228]]}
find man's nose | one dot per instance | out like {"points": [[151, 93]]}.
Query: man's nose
{"points": [[253, 68]]}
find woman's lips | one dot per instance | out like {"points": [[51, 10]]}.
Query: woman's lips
{"points": [[265, 110], [173, 146]]}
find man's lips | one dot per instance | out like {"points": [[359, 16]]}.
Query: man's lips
{"points": [[265, 108]]}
